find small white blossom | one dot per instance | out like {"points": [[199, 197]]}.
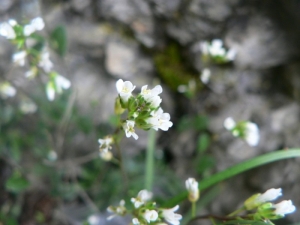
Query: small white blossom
{"points": [[45, 61], [128, 127], [205, 75], [117, 210], [50, 90], [55, 85], [27, 106], [94, 220], [61, 83], [7, 90], [124, 89], [252, 134], [192, 187], [142, 197], [106, 155], [7, 30], [269, 195], [160, 120], [34, 25], [148, 93], [150, 215], [216, 49], [105, 143], [231, 54], [155, 101], [20, 58], [229, 123], [284, 207], [170, 216], [135, 221]]}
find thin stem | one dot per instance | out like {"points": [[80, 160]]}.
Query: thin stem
{"points": [[150, 160], [236, 212], [121, 163], [193, 209]]}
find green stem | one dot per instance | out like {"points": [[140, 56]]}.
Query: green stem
{"points": [[150, 160], [236, 212], [193, 209], [237, 169]]}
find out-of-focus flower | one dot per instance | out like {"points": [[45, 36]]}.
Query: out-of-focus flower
{"points": [[119, 210], [20, 58], [205, 75], [215, 50], [150, 215], [252, 134], [27, 106], [142, 197], [170, 216], [7, 30], [34, 25], [45, 61], [7, 90], [94, 220], [229, 123], [55, 85]]}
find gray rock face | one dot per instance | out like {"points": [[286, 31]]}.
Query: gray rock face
{"points": [[5, 5]]}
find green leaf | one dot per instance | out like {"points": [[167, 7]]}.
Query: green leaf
{"points": [[237, 169], [59, 40], [16, 183], [203, 142], [246, 222]]}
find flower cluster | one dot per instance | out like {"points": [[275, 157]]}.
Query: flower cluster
{"points": [[33, 52], [215, 51], [143, 110], [267, 210], [244, 129], [146, 212]]}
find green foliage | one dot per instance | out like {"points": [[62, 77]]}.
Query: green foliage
{"points": [[59, 40], [171, 67], [16, 183]]}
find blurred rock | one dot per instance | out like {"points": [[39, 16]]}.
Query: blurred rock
{"points": [[123, 60], [5, 5]]}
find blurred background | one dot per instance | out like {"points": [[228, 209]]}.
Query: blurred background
{"points": [[50, 170]]}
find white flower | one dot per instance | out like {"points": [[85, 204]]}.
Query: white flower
{"points": [[94, 220], [34, 25], [148, 94], [38, 23], [105, 143], [251, 134], [160, 120], [205, 76], [216, 49], [7, 30], [20, 58], [229, 123], [50, 90], [55, 85], [128, 127], [284, 207], [142, 197], [124, 89], [150, 215], [27, 106], [155, 101], [61, 83], [117, 210], [269, 195], [45, 61], [231, 54], [135, 221], [7, 90], [106, 155], [170, 216], [192, 187]]}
